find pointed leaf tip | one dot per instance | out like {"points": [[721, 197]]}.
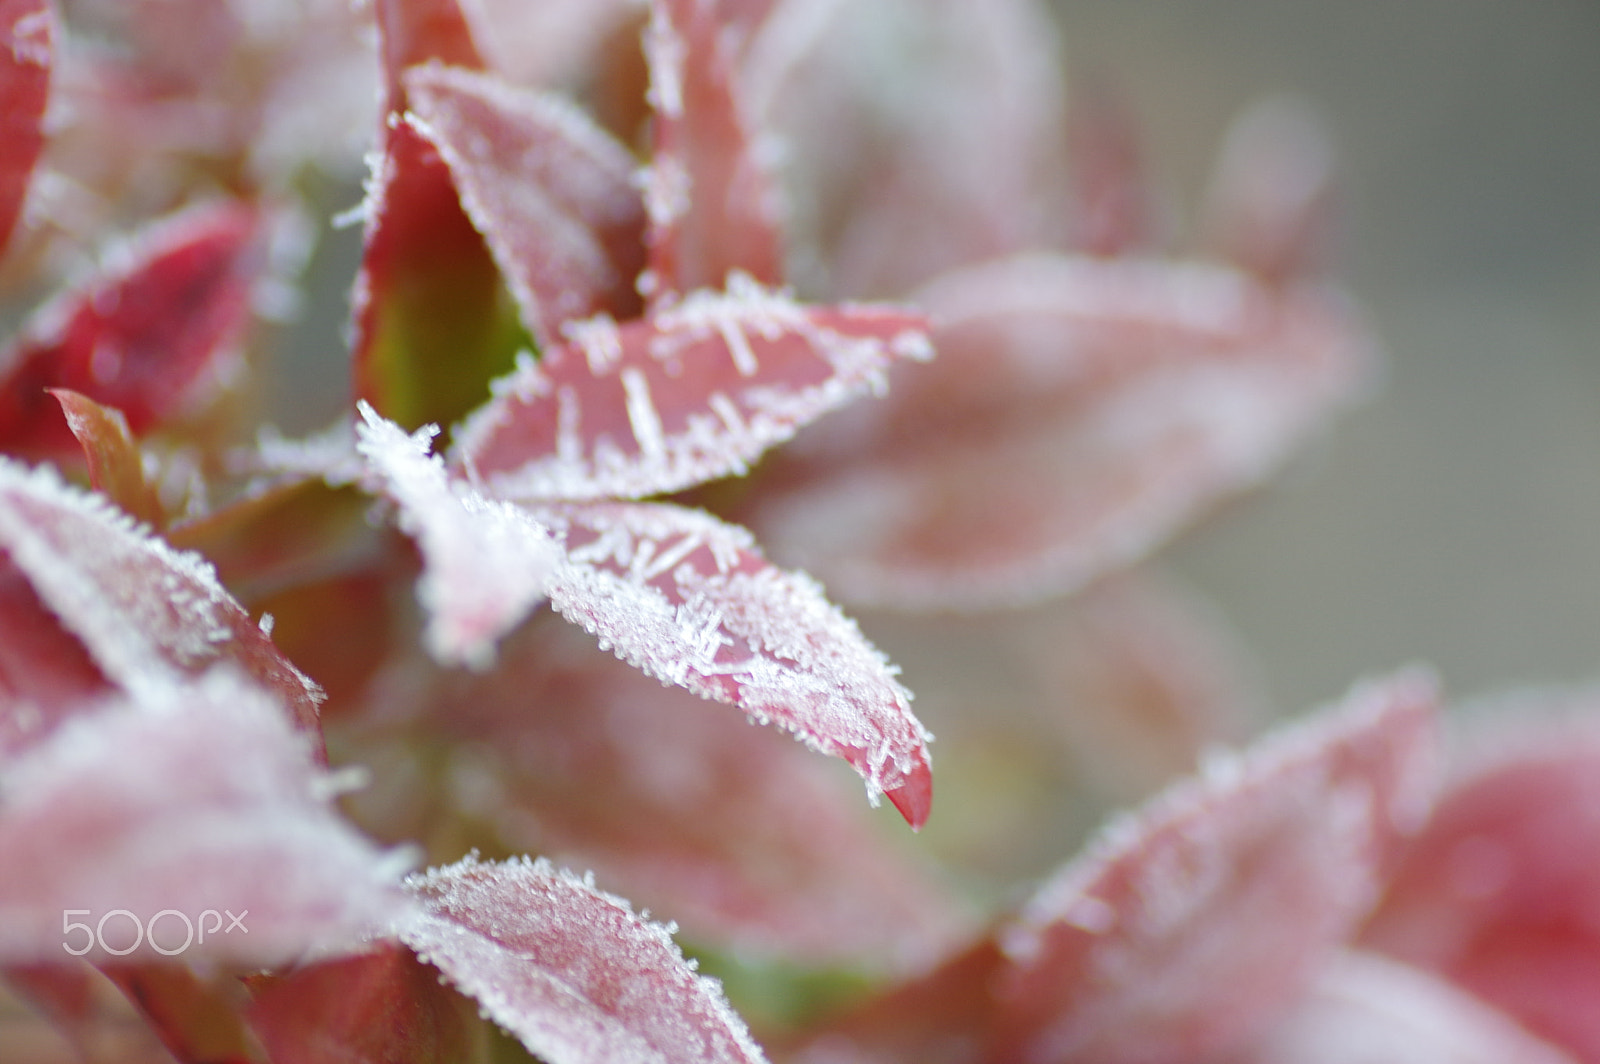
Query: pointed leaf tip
{"points": [[914, 798], [690, 600]]}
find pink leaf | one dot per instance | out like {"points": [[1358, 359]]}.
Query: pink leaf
{"points": [[192, 797], [486, 562], [919, 135], [379, 1006], [698, 390], [713, 208], [1079, 413], [571, 971], [1367, 1009], [1182, 930], [550, 191], [689, 600], [27, 32], [1499, 893], [750, 842], [150, 334], [140, 608]]}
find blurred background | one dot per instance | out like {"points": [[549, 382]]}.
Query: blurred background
{"points": [[1454, 519]]}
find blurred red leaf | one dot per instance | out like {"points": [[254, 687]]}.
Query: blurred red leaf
{"points": [[27, 32], [1378, 1012], [1183, 930], [116, 468], [746, 839], [379, 1006], [551, 193], [197, 1019], [713, 207], [1079, 412], [695, 391], [149, 334], [414, 32], [486, 562], [689, 599], [1501, 893], [140, 608], [569, 970], [190, 797], [433, 323], [46, 675]]}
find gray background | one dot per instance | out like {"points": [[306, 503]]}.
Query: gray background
{"points": [[1455, 519]]}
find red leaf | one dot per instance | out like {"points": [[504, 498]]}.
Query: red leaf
{"points": [[414, 32], [1499, 893], [1378, 1012], [571, 971], [432, 321], [713, 207], [138, 607], [1111, 206], [486, 562], [27, 32], [551, 193], [750, 842], [196, 1018], [150, 334], [689, 600], [116, 467], [380, 1006], [45, 674], [919, 135], [696, 391], [1180, 932], [1078, 414], [195, 798]]}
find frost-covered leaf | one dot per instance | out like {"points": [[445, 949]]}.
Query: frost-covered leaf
{"points": [[140, 608], [1181, 931], [1364, 1008], [569, 970], [486, 562], [697, 390], [433, 322], [754, 845], [550, 191], [27, 30], [690, 600], [1078, 414], [155, 330], [116, 467], [191, 797], [713, 207], [45, 673], [379, 1006], [917, 135], [414, 32], [1501, 893]]}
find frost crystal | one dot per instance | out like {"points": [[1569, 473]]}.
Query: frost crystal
{"points": [[696, 391], [569, 969], [486, 562], [688, 599]]}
